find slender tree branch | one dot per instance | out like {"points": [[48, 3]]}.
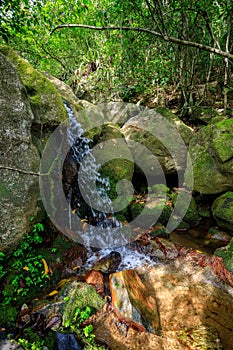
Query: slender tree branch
{"points": [[152, 32], [21, 171]]}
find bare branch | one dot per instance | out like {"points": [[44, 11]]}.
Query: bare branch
{"points": [[21, 171], [152, 32]]}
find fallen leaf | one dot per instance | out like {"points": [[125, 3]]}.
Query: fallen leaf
{"points": [[46, 268], [54, 292]]}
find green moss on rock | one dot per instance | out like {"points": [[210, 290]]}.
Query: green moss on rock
{"points": [[227, 254], [156, 209], [211, 152], [222, 210], [115, 157], [191, 216], [46, 102], [79, 295], [222, 140]]}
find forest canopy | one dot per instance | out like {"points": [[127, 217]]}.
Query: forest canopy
{"points": [[137, 48]]}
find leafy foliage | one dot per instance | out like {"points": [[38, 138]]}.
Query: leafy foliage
{"points": [[128, 63], [75, 324], [26, 268]]}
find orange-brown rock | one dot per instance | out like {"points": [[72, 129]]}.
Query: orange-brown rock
{"points": [[132, 300], [96, 279]]}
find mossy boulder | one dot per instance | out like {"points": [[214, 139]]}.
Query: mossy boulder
{"points": [[87, 114], [73, 295], [191, 216], [222, 210], [79, 295], [19, 191], [119, 112], [211, 151], [205, 114], [160, 190], [154, 211], [44, 99], [115, 158], [157, 136]]}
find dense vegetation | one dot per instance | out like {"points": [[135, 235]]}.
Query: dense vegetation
{"points": [[183, 44]]}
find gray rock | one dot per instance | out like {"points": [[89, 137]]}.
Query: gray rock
{"points": [[160, 135], [7, 344], [19, 192]]}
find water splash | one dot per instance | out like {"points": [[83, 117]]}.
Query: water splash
{"points": [[130, 258]]}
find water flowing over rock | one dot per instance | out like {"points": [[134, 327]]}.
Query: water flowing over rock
{"points": [[211, 151]]}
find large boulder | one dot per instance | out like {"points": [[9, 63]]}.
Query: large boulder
{"points": [[119, 112], [43, 98], [18, 190], [31, 109], [211, 151], [194, 312], [164, 135]]}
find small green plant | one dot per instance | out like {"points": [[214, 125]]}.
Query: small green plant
{"points": [[87, 332], [27, 269], [75, 324], [27, 345], [81, 315], [2, 270], [30, 239]]}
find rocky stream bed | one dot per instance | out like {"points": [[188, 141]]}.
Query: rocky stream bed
{"points": [[163, 288]]}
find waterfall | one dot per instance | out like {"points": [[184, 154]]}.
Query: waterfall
{"points": [[80, 157]]}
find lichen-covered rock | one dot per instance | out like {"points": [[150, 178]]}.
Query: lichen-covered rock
{"points": [[18, 191], [163, 135], [222, 210], [44, 99], [211, 151]]}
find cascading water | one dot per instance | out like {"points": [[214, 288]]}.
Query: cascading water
{"points": [[80, 154]]}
